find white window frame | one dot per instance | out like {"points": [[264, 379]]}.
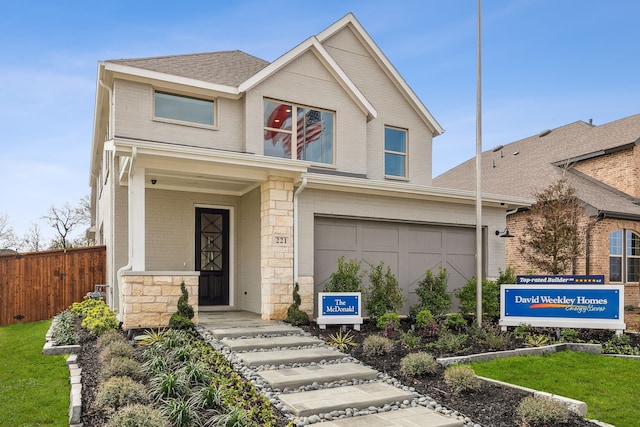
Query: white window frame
{"points": [[294, 129], [214, 105], [405, 154]]}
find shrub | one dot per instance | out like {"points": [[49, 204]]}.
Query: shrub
{"points": [[569, 335], [206, 397], [432, 292], [522, 331], [116, 349], [490, 298], [348, 278], [507, 276], [138, 416], [409, 339], [121, 367], [388, 322], [295, 316], [376, 345], [383, 294], [620, 344], [181, 319], [97, 317], [109, 337], [63, 330], [417, 364], [456, 322], [449, 342], [168, 385], [81, 308], [536, 340], [117, 392], [424, 318], [493, 337], [181, 413], [541, 412], [461, 378]]}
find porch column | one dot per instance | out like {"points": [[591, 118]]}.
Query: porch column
{"points": [[136, 219], [276, 247]]}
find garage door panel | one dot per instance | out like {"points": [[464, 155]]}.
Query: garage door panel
{"points": [[425, 241], [334, 236], [376, 237]]}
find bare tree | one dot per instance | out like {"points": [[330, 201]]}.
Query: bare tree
{"points": [[33, 241], [64, 221], [8, 238], [552, 237]]}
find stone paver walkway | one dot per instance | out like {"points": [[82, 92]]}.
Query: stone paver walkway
{"points": [[314, 382]]}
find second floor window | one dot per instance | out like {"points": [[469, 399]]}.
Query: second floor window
{"points": [[624, 256], [183, 108], [296, 132], [395, 152]]}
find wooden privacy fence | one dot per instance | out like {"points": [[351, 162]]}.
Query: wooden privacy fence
{"points": [[38, 285]]}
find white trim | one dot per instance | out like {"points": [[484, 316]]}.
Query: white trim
{"points": [[232, 248], [409, 94]]}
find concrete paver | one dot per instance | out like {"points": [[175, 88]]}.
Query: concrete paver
{"points": [[250, 331], [408, 417], [248, 344], [296, 377], [304, 404], [277, 357]]}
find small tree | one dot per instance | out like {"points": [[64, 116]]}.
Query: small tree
{"points": [[383, 294], [64, 221], [432, 292], [295, 316], [490, 298], [552, 237], [348, 278], [8, 239]]}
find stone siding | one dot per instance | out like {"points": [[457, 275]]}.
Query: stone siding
{"points": [[276, 237], [149, 299]]}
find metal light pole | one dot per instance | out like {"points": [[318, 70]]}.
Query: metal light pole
{"points": [[478, 180]]}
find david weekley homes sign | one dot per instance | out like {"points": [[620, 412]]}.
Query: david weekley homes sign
{"points": [[339, 308], [570, 306]]}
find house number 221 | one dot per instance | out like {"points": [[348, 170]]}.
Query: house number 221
{"points": [[281, 240]]}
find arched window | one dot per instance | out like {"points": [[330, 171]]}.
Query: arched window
{"points": [[624, 256]]}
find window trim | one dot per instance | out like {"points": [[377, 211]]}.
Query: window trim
{"points": [[294, 130], [624, 256], [404, 177], [213, 100]]}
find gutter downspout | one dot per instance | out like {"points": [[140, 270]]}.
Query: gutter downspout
{"points": [[112, 195], [296, 249], [134, 154]]}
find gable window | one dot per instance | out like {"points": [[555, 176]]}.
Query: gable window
{"points": [[624, 256], [183, 108], [295, 132], [395, 152]]}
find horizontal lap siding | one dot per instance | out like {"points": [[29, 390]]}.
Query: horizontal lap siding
{"points": [[39, 285]]}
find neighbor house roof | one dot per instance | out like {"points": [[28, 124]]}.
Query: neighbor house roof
{"points": [[527, 166]]}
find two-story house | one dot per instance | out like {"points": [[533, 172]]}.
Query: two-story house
{"points": [[602, 164], [241, 177]]}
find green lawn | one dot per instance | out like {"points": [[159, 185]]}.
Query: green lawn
{"points": [[34, 389], [608, 385]]}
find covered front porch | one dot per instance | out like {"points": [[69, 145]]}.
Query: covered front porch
{"points": [[222, 223]]}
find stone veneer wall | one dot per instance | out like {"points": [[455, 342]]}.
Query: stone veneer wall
{"points": [[150, 298], [276, 247]]}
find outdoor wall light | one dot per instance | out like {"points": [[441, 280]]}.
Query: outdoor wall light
{"points": [[153, 181], [504, 233]]}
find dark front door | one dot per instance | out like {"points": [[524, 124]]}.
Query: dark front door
{"points": [[212, 255]]}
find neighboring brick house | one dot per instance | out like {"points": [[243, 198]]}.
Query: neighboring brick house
{"points": [[242, 177], [602, 163]]}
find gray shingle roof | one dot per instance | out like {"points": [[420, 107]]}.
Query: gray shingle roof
{"points": [[525, 167], [227, 68]]}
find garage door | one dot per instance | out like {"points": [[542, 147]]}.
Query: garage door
{"points": [[409, 249]]}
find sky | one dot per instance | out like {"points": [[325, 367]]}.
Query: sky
{"points": [[545, 64]]}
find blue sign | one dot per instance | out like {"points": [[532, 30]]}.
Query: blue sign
{"points": [[567, 303], [561, 279], [340, 305]]}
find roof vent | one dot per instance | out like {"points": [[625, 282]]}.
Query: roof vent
{"points": [[498, 148], [544, 133]]}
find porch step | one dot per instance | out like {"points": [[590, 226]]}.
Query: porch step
{"points": [[306, 375], [248, 344], [285, 357], [275, 329], [304, 404], [408, 417]]}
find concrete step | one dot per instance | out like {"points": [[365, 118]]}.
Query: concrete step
{"points": [[296, 377], [361, 396], [277, 357], [252, 331], [409, 417], [248, 344]]}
